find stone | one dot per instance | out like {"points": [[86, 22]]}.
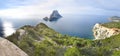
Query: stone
{"points": [[7, 48]]}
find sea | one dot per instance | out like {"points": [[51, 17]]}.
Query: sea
{"points": [[73, 25]]}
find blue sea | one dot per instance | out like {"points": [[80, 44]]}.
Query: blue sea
{"points": [[73, 25]]}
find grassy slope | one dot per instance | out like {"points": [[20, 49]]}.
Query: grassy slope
{"points": [[43, 41]]}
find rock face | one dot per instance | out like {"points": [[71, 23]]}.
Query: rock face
{"points": [[101, 32], [9, 49]]}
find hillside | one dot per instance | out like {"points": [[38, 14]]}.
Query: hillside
{"points": [[41, 40]]}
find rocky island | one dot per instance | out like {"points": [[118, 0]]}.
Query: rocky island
{"points": [[53, 17]]}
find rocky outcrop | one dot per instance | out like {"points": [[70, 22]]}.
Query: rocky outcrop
{"points": [[9, 49], [101, 32], [21, 33]]}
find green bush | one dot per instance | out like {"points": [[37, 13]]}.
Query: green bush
{"points": [[72, 52], [116, 53]]}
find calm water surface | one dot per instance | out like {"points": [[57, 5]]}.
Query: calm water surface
{"points": [[74, 25]]}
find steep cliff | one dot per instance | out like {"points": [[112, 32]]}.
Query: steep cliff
{"points": [[9, 49], [102, 32]]}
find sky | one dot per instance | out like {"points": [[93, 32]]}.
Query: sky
{"points": [[27, 9], [21, 9]]}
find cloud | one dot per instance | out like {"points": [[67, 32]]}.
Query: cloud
{"points": [[28, 11], [8, 28], [109, 5], [20, 9]]}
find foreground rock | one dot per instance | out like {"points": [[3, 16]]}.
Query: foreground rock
{"points": [[101, 32], [9, 49]]}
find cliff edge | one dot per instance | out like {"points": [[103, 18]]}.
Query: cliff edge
{"points": [[102, 32]]}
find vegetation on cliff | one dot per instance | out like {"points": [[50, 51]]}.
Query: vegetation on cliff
{"points": [[44, 41], [112, 25]]}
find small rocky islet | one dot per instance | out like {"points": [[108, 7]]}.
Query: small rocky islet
{"points": [[53, 17]]}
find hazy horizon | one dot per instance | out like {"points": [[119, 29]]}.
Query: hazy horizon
{"points": [[25, 9]]}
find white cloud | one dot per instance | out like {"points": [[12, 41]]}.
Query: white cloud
{"points": [[28, 11]]}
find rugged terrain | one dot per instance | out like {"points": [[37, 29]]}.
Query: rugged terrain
{"points": [[40, 40]]}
